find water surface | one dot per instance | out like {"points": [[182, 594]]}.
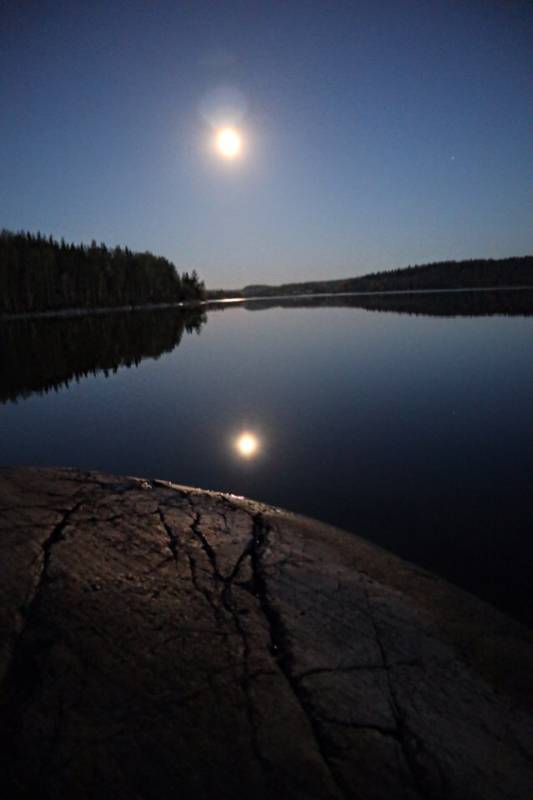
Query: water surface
{"points": [[414, 429]]}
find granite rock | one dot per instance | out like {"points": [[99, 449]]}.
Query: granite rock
{"points": [[162, 641]]}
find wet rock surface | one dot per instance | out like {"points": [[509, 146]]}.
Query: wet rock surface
{"points": [[160, 641]]}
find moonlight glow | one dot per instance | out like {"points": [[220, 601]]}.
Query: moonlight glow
{"points": [[229, 142], [247, 445]]}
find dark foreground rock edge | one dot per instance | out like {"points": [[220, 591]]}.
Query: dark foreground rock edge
{"points": [[161, 641]]}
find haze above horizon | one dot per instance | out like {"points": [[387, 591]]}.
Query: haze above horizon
{"points": [[356, 137]]}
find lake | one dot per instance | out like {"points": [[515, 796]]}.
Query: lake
{"points": [[406, 419]]}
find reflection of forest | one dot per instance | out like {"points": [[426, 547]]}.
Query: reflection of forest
{"points": [[42, 354], [513, 302], [37, 355]]}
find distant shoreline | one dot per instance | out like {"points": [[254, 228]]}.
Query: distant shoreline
{"points": [[79, 312], [312, 295]]}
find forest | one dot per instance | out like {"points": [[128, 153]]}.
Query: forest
{"points": [[475, 273], [41, 274]]}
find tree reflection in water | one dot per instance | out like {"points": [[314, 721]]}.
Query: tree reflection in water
{"points": [[38, 355], [454, 303], [42, 354]]}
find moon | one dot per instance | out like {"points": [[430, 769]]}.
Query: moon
{"points": [[247, 445], [228, 143]]}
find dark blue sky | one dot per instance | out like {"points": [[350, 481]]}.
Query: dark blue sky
{"points": [[377, 134]]}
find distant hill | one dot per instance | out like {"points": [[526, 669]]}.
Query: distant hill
{"points": [[475, 273]]}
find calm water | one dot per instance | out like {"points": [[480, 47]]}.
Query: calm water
{"points": [[415, 431]]}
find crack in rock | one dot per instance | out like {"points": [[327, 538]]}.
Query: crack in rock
{"points": [[279, 643], [226, 598], [31, 605], [409, 743]]}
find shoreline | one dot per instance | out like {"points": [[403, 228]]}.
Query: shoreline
{"points": [[83, 312], [184, 304]]}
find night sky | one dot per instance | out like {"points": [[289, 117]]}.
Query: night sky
{"points": [[376, 134]]}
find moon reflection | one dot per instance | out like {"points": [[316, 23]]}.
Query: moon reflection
{"points": [[247, 445]]}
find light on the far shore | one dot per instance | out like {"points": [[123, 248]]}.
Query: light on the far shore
{"points": [[247, 445]]}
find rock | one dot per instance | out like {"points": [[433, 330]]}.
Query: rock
{"points": [[160, 641]]}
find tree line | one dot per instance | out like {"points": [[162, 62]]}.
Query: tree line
{"points": [[38, 273], [475, 273]]}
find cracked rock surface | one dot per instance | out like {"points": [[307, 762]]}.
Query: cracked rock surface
{"points": [[159, 641]]}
